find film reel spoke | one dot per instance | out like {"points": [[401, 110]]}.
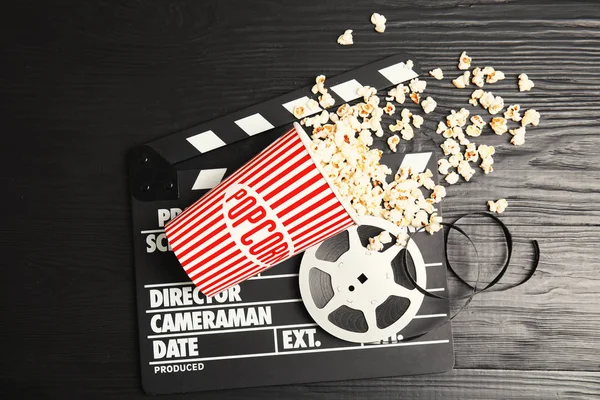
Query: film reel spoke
{"points": [[329, 267], [371, 317], [391, 253], [354, 238], [333, 304]]}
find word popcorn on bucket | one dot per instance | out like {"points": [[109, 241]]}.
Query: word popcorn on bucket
{"points": [[274, 207]]}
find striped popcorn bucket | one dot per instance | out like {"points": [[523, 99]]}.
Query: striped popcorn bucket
{"points": [[274, 207]]}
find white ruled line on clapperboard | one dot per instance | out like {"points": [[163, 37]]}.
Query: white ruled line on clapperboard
{"points": [[276, 353], [158, 285], [262, 328]]}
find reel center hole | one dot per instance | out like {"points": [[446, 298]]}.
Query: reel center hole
{"points": [[362, 278], [351, 288]]}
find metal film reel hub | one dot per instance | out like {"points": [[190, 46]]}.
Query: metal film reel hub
{"points": [[360, 281]]}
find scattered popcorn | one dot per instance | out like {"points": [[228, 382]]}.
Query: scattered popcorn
{"points": [[441, 127], [498, 125], [365, 137], [319, 86], [473, 130], [495, 76], [517, 131], [312, 105], [465, 170], [375, 244], [486, 164], [406, 114], [457, 118], [475, 96], [437, 74], [485, 151], [518, 138], [452, 178], [450, 146], [344, 110], [393, 142], [402, 239], [525, 84], [418, 86], [471, 154], [428, 105], [374, 101], [417, 121], [407, 132], [366, 92], [460, 135], [389, 108], [455, 159], [425, 180], [398, 94], [444, 166], [478, 77], [409, 64], [326, 100], [317, 120], [346, 39], [439, 192], [512, 112], [379, 21], [494, 104], [435, 224], [385, 237], [299, 111], [497, 206], [421, 219], [464, 62], [530, 117], [478, 121], [414, 96], [488, 70], [462, 81]]}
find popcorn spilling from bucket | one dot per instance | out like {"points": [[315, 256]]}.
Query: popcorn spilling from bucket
{"points": [[341, 143]]}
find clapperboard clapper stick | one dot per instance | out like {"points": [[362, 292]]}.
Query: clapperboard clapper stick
{"points": [[261, 327]]}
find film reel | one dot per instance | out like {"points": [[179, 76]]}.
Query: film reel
{"points": [[358, 295]]}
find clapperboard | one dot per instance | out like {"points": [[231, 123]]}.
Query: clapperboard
{"points": [[259, 332]]}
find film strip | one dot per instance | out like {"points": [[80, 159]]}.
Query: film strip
{"points": [[167, 175]]}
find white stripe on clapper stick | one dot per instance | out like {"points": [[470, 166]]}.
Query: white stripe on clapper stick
{"points": [[398, 73], [209, 178], [254, 124], [348, 91], [416, 161], [205, 141]]}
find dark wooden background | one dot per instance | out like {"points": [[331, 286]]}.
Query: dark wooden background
{"points": [[83, 81]]}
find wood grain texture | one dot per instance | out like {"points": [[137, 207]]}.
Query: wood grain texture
{"points": [[85, 81]]}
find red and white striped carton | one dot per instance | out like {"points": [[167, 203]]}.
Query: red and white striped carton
{"points": [[274, 207]]}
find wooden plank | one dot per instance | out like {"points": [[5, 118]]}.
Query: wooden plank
{"points": [[465, 384], [459, 384]]}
